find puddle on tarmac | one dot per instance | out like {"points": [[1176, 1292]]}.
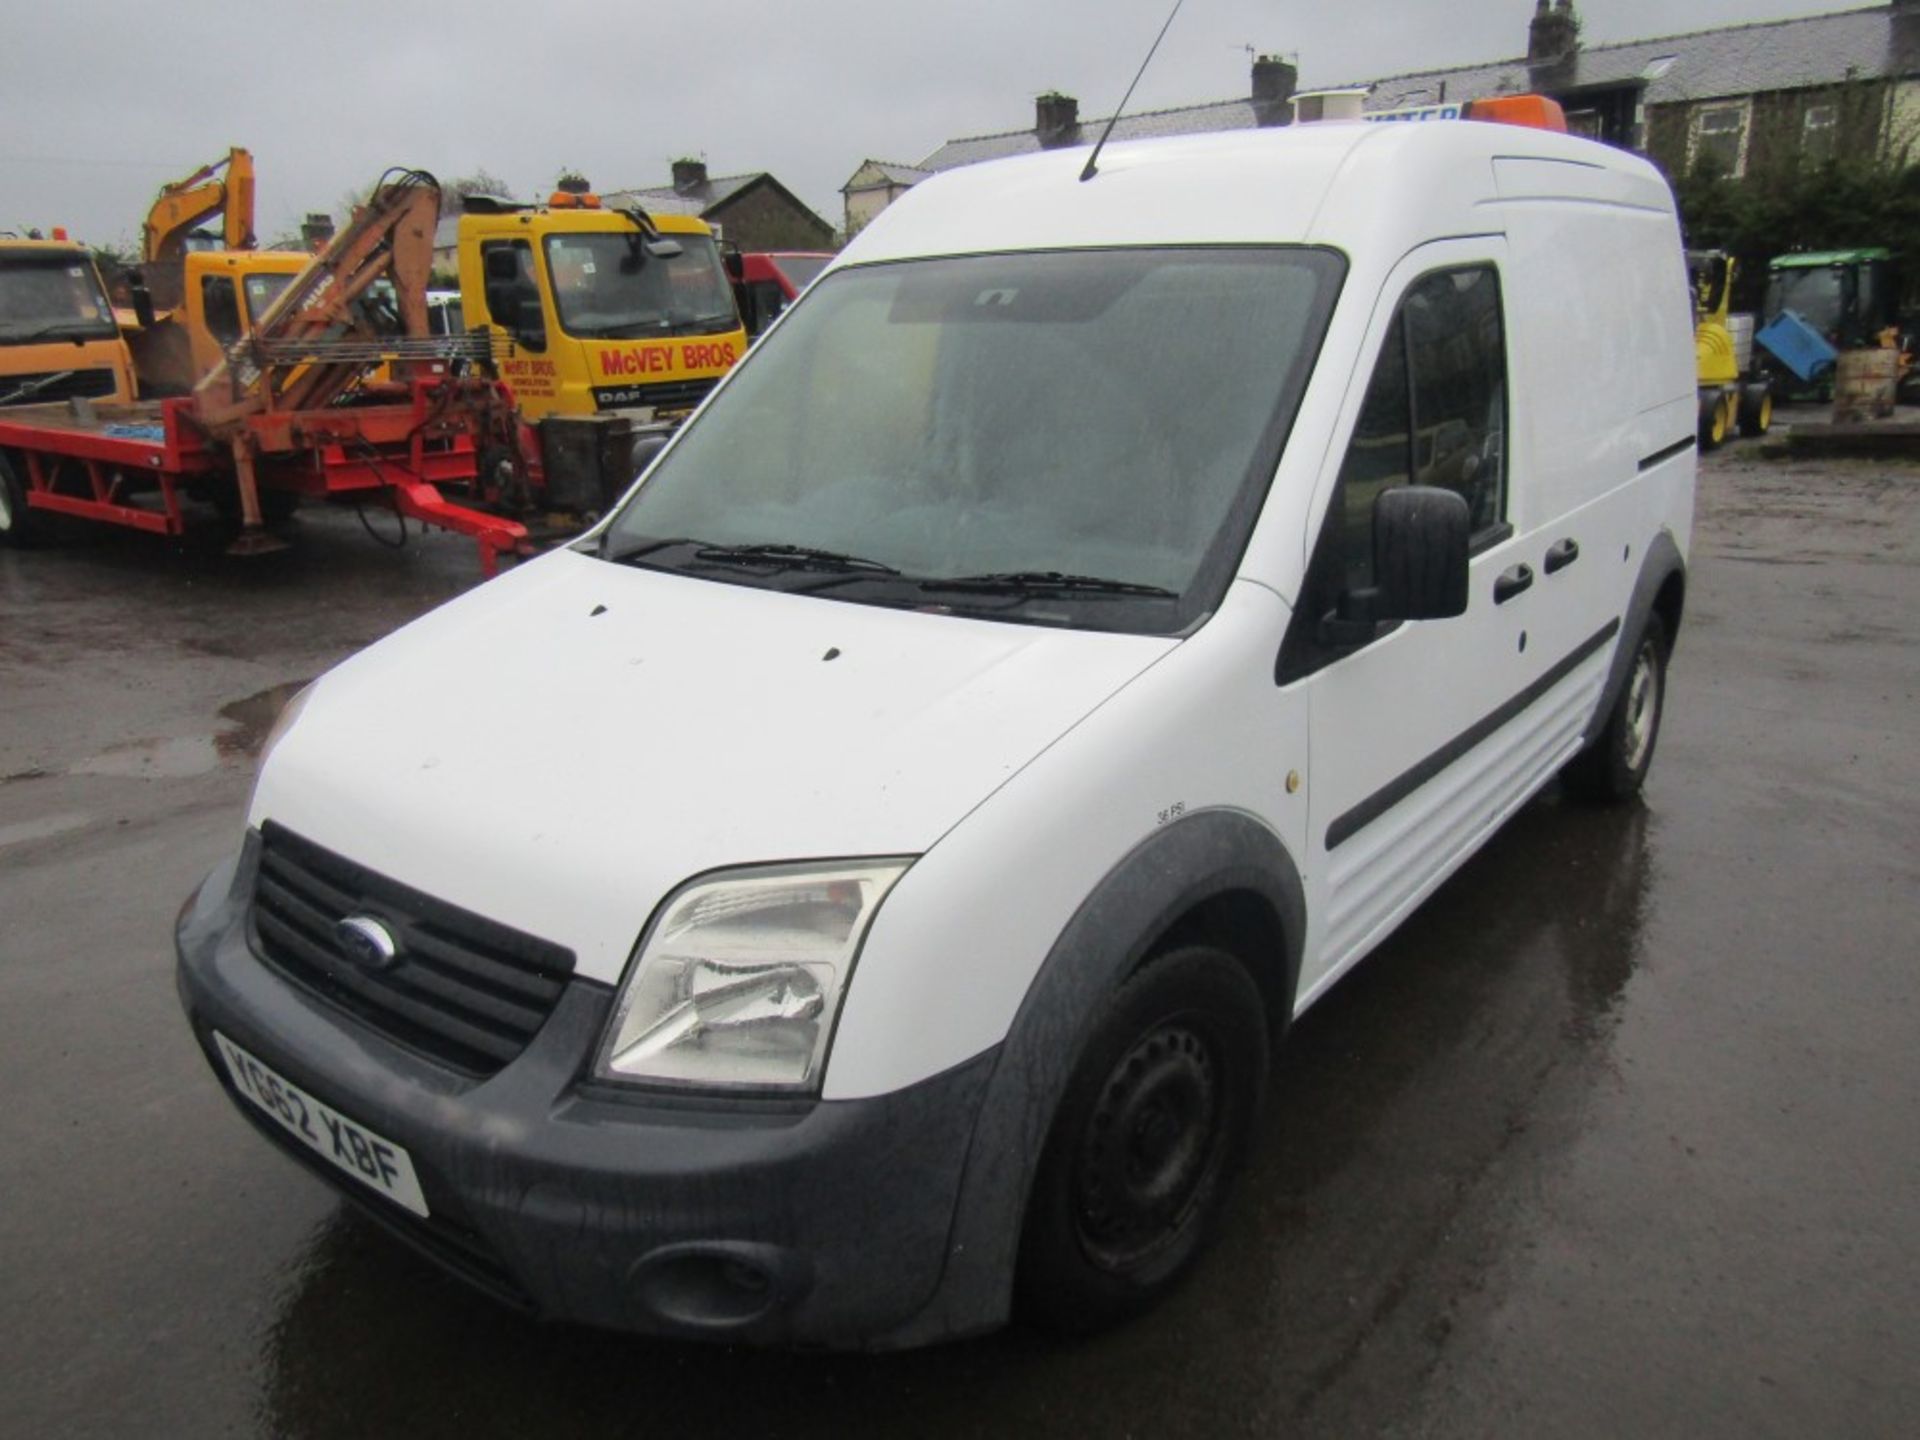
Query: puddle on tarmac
{"points": [[253, 717], [246, 723]]}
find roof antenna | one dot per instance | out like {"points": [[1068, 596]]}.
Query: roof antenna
{"points": [[1091, 170]]}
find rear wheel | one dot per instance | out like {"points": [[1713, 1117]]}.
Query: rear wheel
{"points": [[1615, 765], [16, 520], [1145, 1144], [1714, 420]]}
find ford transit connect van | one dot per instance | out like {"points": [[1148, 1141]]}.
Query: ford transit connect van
{"points": [[854, 892]]}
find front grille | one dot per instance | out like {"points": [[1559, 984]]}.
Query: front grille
{"points": [[45, 388], [464, 991], [663, 395]]}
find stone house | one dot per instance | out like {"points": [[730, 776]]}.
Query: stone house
{"points": [[1732, 99], [754, 211]]}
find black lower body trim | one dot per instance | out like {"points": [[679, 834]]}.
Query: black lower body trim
{"points": [[1401, 786], [1678, 447]]}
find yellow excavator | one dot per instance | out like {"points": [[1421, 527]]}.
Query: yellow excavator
{"points": [[203, 294], [1732, 397]]}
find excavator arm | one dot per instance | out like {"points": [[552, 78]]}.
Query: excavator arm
{"points": [[184, 204]]}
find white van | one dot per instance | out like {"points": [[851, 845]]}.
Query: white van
{"points": [[854, 892]]}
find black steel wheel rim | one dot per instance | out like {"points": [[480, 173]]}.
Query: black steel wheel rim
{"points": [[1153, 1144]]}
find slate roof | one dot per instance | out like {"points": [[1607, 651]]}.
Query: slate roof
{"points": [[1701, 65], [694, 200]]}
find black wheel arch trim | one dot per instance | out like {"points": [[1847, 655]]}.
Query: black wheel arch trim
{"points": [[1205, 856], [1661, 563]]}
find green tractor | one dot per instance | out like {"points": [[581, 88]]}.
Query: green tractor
{"points": [[1851, 297]]}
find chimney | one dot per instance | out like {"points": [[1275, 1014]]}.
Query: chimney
{"points": [[1056, 120], [1553, 36], [689, 175], [316, 230], [1273, 82]]}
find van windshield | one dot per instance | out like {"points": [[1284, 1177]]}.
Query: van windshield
{"points": [[1070, 437]]}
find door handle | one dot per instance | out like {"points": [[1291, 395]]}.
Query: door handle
{"points": [[1511, 583], [1562, 555]]}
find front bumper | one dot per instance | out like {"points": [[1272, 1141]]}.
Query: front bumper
{"points": [[813, 1223]]}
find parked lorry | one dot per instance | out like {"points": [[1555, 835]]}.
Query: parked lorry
{"points": [[1111, 600], [289, 413], [609, 323], [1734, 394], [768, 281], [59, 339]]}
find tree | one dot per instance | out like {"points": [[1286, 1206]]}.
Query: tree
{"points": [[453, 191]]}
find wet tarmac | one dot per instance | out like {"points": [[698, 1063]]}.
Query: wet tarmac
{"points": [[1616, 1137]]}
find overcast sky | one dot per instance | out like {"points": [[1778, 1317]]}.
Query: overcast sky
{"points": [[107, 101]]}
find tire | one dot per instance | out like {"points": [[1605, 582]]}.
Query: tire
{"points": [[1148, 1137], [1714, 420], [1615, 766], [1756, 409], [17, 522]]}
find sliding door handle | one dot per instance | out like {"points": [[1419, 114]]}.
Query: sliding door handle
{"points": [[1511, 583], [1562, 555]]}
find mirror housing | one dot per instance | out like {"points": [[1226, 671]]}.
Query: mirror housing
{"points": [[1420, 541]]}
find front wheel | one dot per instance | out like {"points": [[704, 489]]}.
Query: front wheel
{"points": [[16, 520], [1615, 765], [1756, 409], [1146, 1142]]}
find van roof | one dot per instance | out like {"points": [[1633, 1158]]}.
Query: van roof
{"points": [[1348, 185]]}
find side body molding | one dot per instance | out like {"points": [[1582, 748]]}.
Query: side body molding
{"points": [[1202, 857], [1661, 562]]}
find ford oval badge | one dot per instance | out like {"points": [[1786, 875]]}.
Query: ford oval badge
{"points": [[368, 943]]}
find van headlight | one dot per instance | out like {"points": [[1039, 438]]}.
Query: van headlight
{"points": [[739, 981]]}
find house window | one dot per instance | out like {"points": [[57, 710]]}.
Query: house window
{"points": [[1818, 127], [1720, 138]]}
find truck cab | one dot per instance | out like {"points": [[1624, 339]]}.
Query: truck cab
{"points": [[771, 280], [58, 336], [219, 296], [605, 311]]}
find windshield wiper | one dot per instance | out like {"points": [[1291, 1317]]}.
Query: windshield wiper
{"points": [[34, 387], [54, 327], [1047, 582], [781, 557], [795, 557]]}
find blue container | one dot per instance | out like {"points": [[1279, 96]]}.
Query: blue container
{"points": [[1798, 346]]}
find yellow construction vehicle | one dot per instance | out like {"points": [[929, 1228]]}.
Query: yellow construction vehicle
{"points": [[203, 294], [58, 336], [1733, 394], [606, 321]]}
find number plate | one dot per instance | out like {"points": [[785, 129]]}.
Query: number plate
{"points": [[377, 1163]]}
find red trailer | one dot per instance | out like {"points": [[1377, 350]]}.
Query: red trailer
{"points": [[133, 464], [292, 412]]}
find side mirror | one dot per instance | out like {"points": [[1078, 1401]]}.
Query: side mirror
{"points": [[736, 264], [1420, 553], [142, 299]]}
